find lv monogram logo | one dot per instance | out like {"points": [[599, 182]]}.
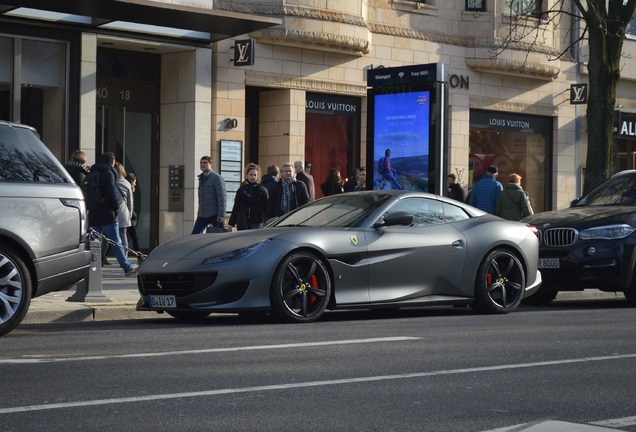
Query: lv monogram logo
{"points": [[578, 94], [244, 52]]}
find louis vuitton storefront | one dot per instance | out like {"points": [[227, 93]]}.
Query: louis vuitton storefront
{"points": [[625, 139], [514, 143]]}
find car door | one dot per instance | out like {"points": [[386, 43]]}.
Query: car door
{"points": [[423, 259]]}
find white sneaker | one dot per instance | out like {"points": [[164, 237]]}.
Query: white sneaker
{"points": [[132, 271]]}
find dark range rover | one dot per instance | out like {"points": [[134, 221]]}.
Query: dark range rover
{"points": [[42, 224], [590, 244]]}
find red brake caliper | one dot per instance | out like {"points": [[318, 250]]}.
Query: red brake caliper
{"points": [[489, 277], [313, 282]]}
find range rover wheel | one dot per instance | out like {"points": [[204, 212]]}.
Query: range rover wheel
{"points": [[15, 289]]}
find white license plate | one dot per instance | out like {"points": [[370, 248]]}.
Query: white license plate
{"points": [[549, 263], [162, 301]]}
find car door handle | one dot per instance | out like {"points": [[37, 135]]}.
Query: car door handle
{"points": [[458, 244]]}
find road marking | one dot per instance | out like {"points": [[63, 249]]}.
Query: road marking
{"points": [[147, 398], [615, 423], [206, 351]]}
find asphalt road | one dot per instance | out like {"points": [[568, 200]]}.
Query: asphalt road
{"points": [[433, 369]]}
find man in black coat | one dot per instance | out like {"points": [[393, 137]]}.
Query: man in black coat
{"points": [[287, 194], [103, 219]]}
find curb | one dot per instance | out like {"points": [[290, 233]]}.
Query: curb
{"points": [[86, 313]]}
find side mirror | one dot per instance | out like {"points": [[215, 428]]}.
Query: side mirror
{"points": [[397, 218]]}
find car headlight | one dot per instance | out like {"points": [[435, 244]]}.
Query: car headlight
{"points": [[608, 232], [235, 254]]}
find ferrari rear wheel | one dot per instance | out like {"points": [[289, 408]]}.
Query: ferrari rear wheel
{"points": [[500, 283], [189, 316], [301, 288]]}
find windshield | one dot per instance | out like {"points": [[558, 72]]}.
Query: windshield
{"points": [[620, 190], [348, 210]]}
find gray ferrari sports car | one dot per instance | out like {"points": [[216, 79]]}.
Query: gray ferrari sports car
{"points": [[372, 250]]}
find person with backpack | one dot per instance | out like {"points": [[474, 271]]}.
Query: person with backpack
{"points": [[102, 201]]}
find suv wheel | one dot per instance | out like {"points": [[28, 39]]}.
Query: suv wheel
{"points": [[15, 289]]}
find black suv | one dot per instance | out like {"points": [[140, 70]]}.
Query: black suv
{"points": [[43, 245], [591, 244]]}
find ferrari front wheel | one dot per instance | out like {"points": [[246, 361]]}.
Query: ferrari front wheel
{"points": [[500, 282], [301, 288]]}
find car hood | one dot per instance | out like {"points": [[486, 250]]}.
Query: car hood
{"points": [[584, 216], [201, 246]]}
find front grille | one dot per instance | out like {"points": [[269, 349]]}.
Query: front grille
{"points": [[559, 237], [181, 285]]}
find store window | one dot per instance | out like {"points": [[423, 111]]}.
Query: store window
{"points": [[630, 31], [332, 130], [513, 143], [38, 68], [624, 140], [6, 77]]}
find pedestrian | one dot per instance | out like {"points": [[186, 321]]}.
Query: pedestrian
{"points": [[103, 219], [124, 214], [131, 232], [212, 199], [308, 179], [352, 182], [513, 203], [485, 191], [76, 166], [288, 194], [250, 202], [454, 189], [333, 183], [269, 180], [387, 171], [361, 176]]}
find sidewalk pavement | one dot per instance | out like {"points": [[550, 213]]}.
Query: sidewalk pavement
{"points": [[119, 295], [115, 300]]}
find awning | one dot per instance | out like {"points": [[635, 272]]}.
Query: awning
{"points": [[150, 18]]}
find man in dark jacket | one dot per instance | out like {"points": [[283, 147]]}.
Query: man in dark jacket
{"points": [[270, 179], [308, 179], [103, 219], [288, 194]]}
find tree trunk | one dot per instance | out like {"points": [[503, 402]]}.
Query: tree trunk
{"points": [[604, 73]]}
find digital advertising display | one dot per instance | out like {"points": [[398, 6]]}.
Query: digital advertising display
{"points": [[406, 131], [401, 140]]}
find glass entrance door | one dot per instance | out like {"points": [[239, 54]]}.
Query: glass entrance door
{"points": [[129, 134]]}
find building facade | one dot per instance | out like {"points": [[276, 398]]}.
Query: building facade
{"points": [[162, 83]]}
